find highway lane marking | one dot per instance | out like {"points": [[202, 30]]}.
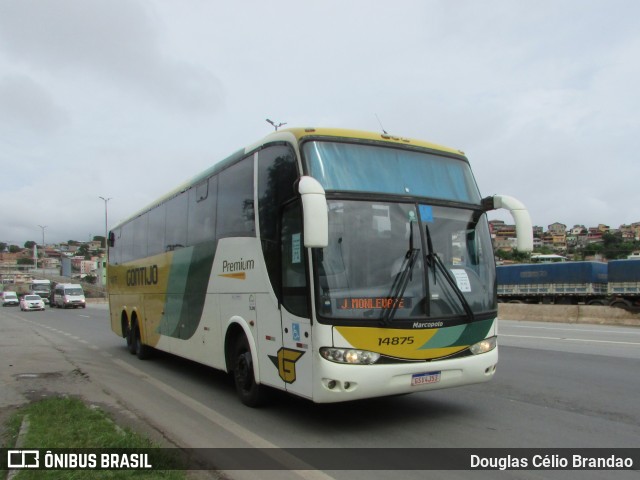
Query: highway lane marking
{"points": [[570, 339], [625, 332], [66, 334], [254, 440]]}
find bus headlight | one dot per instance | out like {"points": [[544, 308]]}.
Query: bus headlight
{"points": [[484, 346], [349, 355]]}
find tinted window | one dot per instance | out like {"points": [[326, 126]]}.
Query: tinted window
{"points": [[176, 230], [140, 236], [369, 168], [235, 200], [126, 243], [277, 174], [294, 271], [115, 252], [202, 211], [155, 240]]}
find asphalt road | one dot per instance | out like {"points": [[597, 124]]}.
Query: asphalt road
{"points": [[557, 385]]}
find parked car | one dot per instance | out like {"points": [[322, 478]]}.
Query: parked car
{"points": [[31, 302], [10, 299]]}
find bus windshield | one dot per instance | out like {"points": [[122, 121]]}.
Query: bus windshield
{"points": [[371, 168], [391, 262]]}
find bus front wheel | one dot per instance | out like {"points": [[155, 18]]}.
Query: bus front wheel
{"points": [[249, 392]]}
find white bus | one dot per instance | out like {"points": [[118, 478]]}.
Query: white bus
{"points": [[335, 265], [550, 258]]}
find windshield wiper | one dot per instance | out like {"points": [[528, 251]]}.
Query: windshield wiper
{"points": [[401, 281], [436, 262], [400, 285]]}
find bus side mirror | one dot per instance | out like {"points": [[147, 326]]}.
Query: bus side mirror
{"points": [[520, 214], [314, 212]]}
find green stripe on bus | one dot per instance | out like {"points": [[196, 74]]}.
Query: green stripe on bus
{"points": [[186, 290]]}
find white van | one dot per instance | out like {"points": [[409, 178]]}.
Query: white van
{"points": [[9, 298], [68, 295]]}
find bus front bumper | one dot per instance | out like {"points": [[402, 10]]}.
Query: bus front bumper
{"points": [[340, 382]]}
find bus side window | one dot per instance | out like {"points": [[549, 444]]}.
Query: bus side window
{"points": [[294, 272], [115, 247], [126, 243], [277, 174], [176, 224], [155, 237], [235, 211], [202, 211], [140, 236]]}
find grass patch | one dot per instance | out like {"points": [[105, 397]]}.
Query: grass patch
{"points": [[63, 422]]}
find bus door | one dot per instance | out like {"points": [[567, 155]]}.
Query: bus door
{"points": [[295, 357]]}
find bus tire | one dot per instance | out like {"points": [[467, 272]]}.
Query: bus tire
{"points": [[249, 392], [127, 334], [142, 351]]}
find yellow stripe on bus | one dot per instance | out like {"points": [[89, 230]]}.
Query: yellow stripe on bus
{"points": [[239, 275], [396, 343]]}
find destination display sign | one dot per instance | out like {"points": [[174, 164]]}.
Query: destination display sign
{"points": [[372, 303]]}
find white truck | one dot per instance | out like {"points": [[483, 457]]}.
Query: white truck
{"points": [[42, 288]]}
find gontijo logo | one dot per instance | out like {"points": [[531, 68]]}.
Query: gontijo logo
{"points": [[237, 269], [142, 276]]}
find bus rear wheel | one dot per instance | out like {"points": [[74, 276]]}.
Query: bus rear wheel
{"points": [[141, 350], [128, 335], [249, 392]]}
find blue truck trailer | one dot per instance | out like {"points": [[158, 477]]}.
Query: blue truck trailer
{"points": [[624, 283], [616, 283], [564, 283]]}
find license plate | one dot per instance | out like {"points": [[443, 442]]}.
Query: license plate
{"points": [[425, 378]]}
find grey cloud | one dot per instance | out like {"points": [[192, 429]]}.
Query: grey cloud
{"points": [[24, 103], [117, 42]]}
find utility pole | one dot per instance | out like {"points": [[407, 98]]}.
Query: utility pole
{"points": [[106, 219], [42, 227], [106, 231]]}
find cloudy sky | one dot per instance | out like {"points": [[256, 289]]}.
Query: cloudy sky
{"points": [[125, 99]]}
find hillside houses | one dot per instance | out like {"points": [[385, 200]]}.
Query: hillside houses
{"points": [[559, 238]]}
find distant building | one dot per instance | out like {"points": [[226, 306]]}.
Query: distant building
{"points": [[578, 230], [557, 228]]}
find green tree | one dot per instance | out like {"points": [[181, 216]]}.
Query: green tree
{"points": [[14, 249], [99, 238], [29, 244], [3, 246], [593, 249], [25, 261], [513, 255], [614, 246], [84, 250]]}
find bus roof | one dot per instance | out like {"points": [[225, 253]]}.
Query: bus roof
{"points": [[295, 135], [301, 133]]}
